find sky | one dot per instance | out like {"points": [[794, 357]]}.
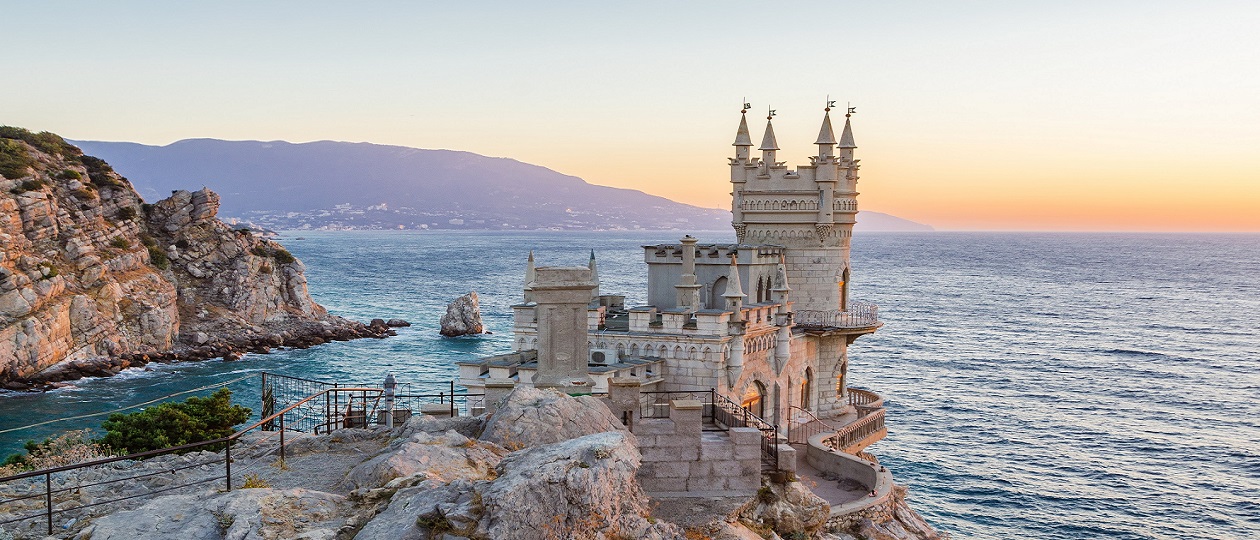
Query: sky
{"points": [[1075, 116]]}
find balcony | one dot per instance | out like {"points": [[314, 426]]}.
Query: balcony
{"points": [[859, 316]]}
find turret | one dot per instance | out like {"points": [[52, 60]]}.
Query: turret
{"points": [[529, 278], [743, 146], [846, 139], [734, 296], [594, 277], [783, 318], [688, 288], [768, 143], [743, 143], [825, 173]]}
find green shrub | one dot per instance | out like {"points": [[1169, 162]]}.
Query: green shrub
{"points": [[14, 159], [182, 244], [174, 424], [99, 172], [283, 256], [69, 174], [120, 242], [157, 257], [147, 240], [49, 143], [127, 213]]}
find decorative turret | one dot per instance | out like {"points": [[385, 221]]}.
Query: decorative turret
{"points": [[734, 296], [846, 138], [594, 277], [688, 288], [783, 318], [743, 143], [768, 143], [826, 137], [529, 278]]}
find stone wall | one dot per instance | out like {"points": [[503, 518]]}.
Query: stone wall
{"points": [[679, 459]]}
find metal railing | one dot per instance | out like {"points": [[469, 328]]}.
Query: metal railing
{"points": [[848, 438], [800, 432], [656, 404], [277, 419], [858, 315], [731, 414]]}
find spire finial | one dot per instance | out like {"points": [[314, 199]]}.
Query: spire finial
{"points": [[829, 105], [771, 115], [747, 106]]}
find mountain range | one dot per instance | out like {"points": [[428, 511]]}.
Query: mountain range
{"points": [[343, 185]]}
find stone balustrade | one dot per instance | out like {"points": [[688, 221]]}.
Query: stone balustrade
{"points": [[859, 434]]}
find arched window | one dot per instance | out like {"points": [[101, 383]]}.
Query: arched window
{"points": [[719, 288]]}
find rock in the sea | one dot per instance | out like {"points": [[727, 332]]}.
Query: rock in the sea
{"points": [[396, 323], [463, 316], [530, 417]]}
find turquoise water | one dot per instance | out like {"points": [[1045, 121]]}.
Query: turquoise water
{"points": [[1038, 385]]}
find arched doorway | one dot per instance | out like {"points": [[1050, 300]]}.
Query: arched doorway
{"points": [[807, 389], [755, 399]]}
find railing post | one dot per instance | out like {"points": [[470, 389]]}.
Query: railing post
{"points": [[227, 463], [48, 498], [281, 437]]}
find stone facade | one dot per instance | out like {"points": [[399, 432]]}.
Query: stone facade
{"points": [[679, 457]]}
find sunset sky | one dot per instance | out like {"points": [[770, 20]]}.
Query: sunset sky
{"points": [[1092, 115]]}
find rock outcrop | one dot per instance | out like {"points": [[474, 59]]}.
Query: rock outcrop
{"points": [[532, 417], [463, 317], [95, 280], [244, 514]]}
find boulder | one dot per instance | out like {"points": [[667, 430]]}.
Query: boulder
{"points": [[531, 416], [463, 317], [444, 457], [788, 509], [581, 487]]}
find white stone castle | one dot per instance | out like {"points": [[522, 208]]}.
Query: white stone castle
{"points": [[766, 322]]}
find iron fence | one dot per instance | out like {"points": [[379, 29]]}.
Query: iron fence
{"points": [[732, 414]]}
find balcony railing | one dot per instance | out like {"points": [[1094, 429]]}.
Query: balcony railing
{"points": [[859, 315], [849, 438]]}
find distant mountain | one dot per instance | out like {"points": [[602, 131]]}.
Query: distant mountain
{"points": [[341, 185]]}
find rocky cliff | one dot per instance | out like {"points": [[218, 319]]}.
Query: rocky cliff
{"points": [[93, 280]]}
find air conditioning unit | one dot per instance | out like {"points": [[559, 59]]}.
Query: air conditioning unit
{"points": [[603, 357]]}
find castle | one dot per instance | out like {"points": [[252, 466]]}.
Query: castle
{"points": [[765, 322]]}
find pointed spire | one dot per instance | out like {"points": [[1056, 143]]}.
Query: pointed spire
{"points": [[825, 134], [529, 277], [594, 277], [741, 136], [734, 289], [768, 142], [846, 136]]}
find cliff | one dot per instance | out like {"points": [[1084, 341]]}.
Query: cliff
{"points": [[93, 280]]}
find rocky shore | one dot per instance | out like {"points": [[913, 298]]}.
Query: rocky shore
{"points": [[94, 280]]}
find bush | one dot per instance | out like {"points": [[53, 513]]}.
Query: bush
{"points": [[69, 174], [157, 257], [65, 449], [99, 172], [120, 242], [14, 160], [49, 143], [127, 213], [174, 424], [283, 256]]}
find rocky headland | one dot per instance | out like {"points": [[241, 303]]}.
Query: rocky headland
{"points": [[543, 466], [94, 280]]}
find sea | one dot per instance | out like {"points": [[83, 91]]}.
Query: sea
{"points": [[1038, 386]]}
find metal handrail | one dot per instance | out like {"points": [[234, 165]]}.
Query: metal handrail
{"points": [[858, 315], [227, 458]]}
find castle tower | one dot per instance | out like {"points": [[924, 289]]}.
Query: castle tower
{"points": [[810, 210]]}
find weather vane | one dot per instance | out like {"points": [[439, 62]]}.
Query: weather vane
{"points": [[747, 106], [830, 104], [852, 109], [771, 115]]}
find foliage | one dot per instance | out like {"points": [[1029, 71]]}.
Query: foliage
{"points": [[283, 256], [14, 159], [174, 424], [127, 213], [65, 449], [253, 481], [157, 257], [48, 143], [120, 242], [69, 174], [28, 185], [99, 172], [48, 270]]}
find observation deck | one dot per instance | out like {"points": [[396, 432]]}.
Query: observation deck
{"points": [[859, 318]]}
